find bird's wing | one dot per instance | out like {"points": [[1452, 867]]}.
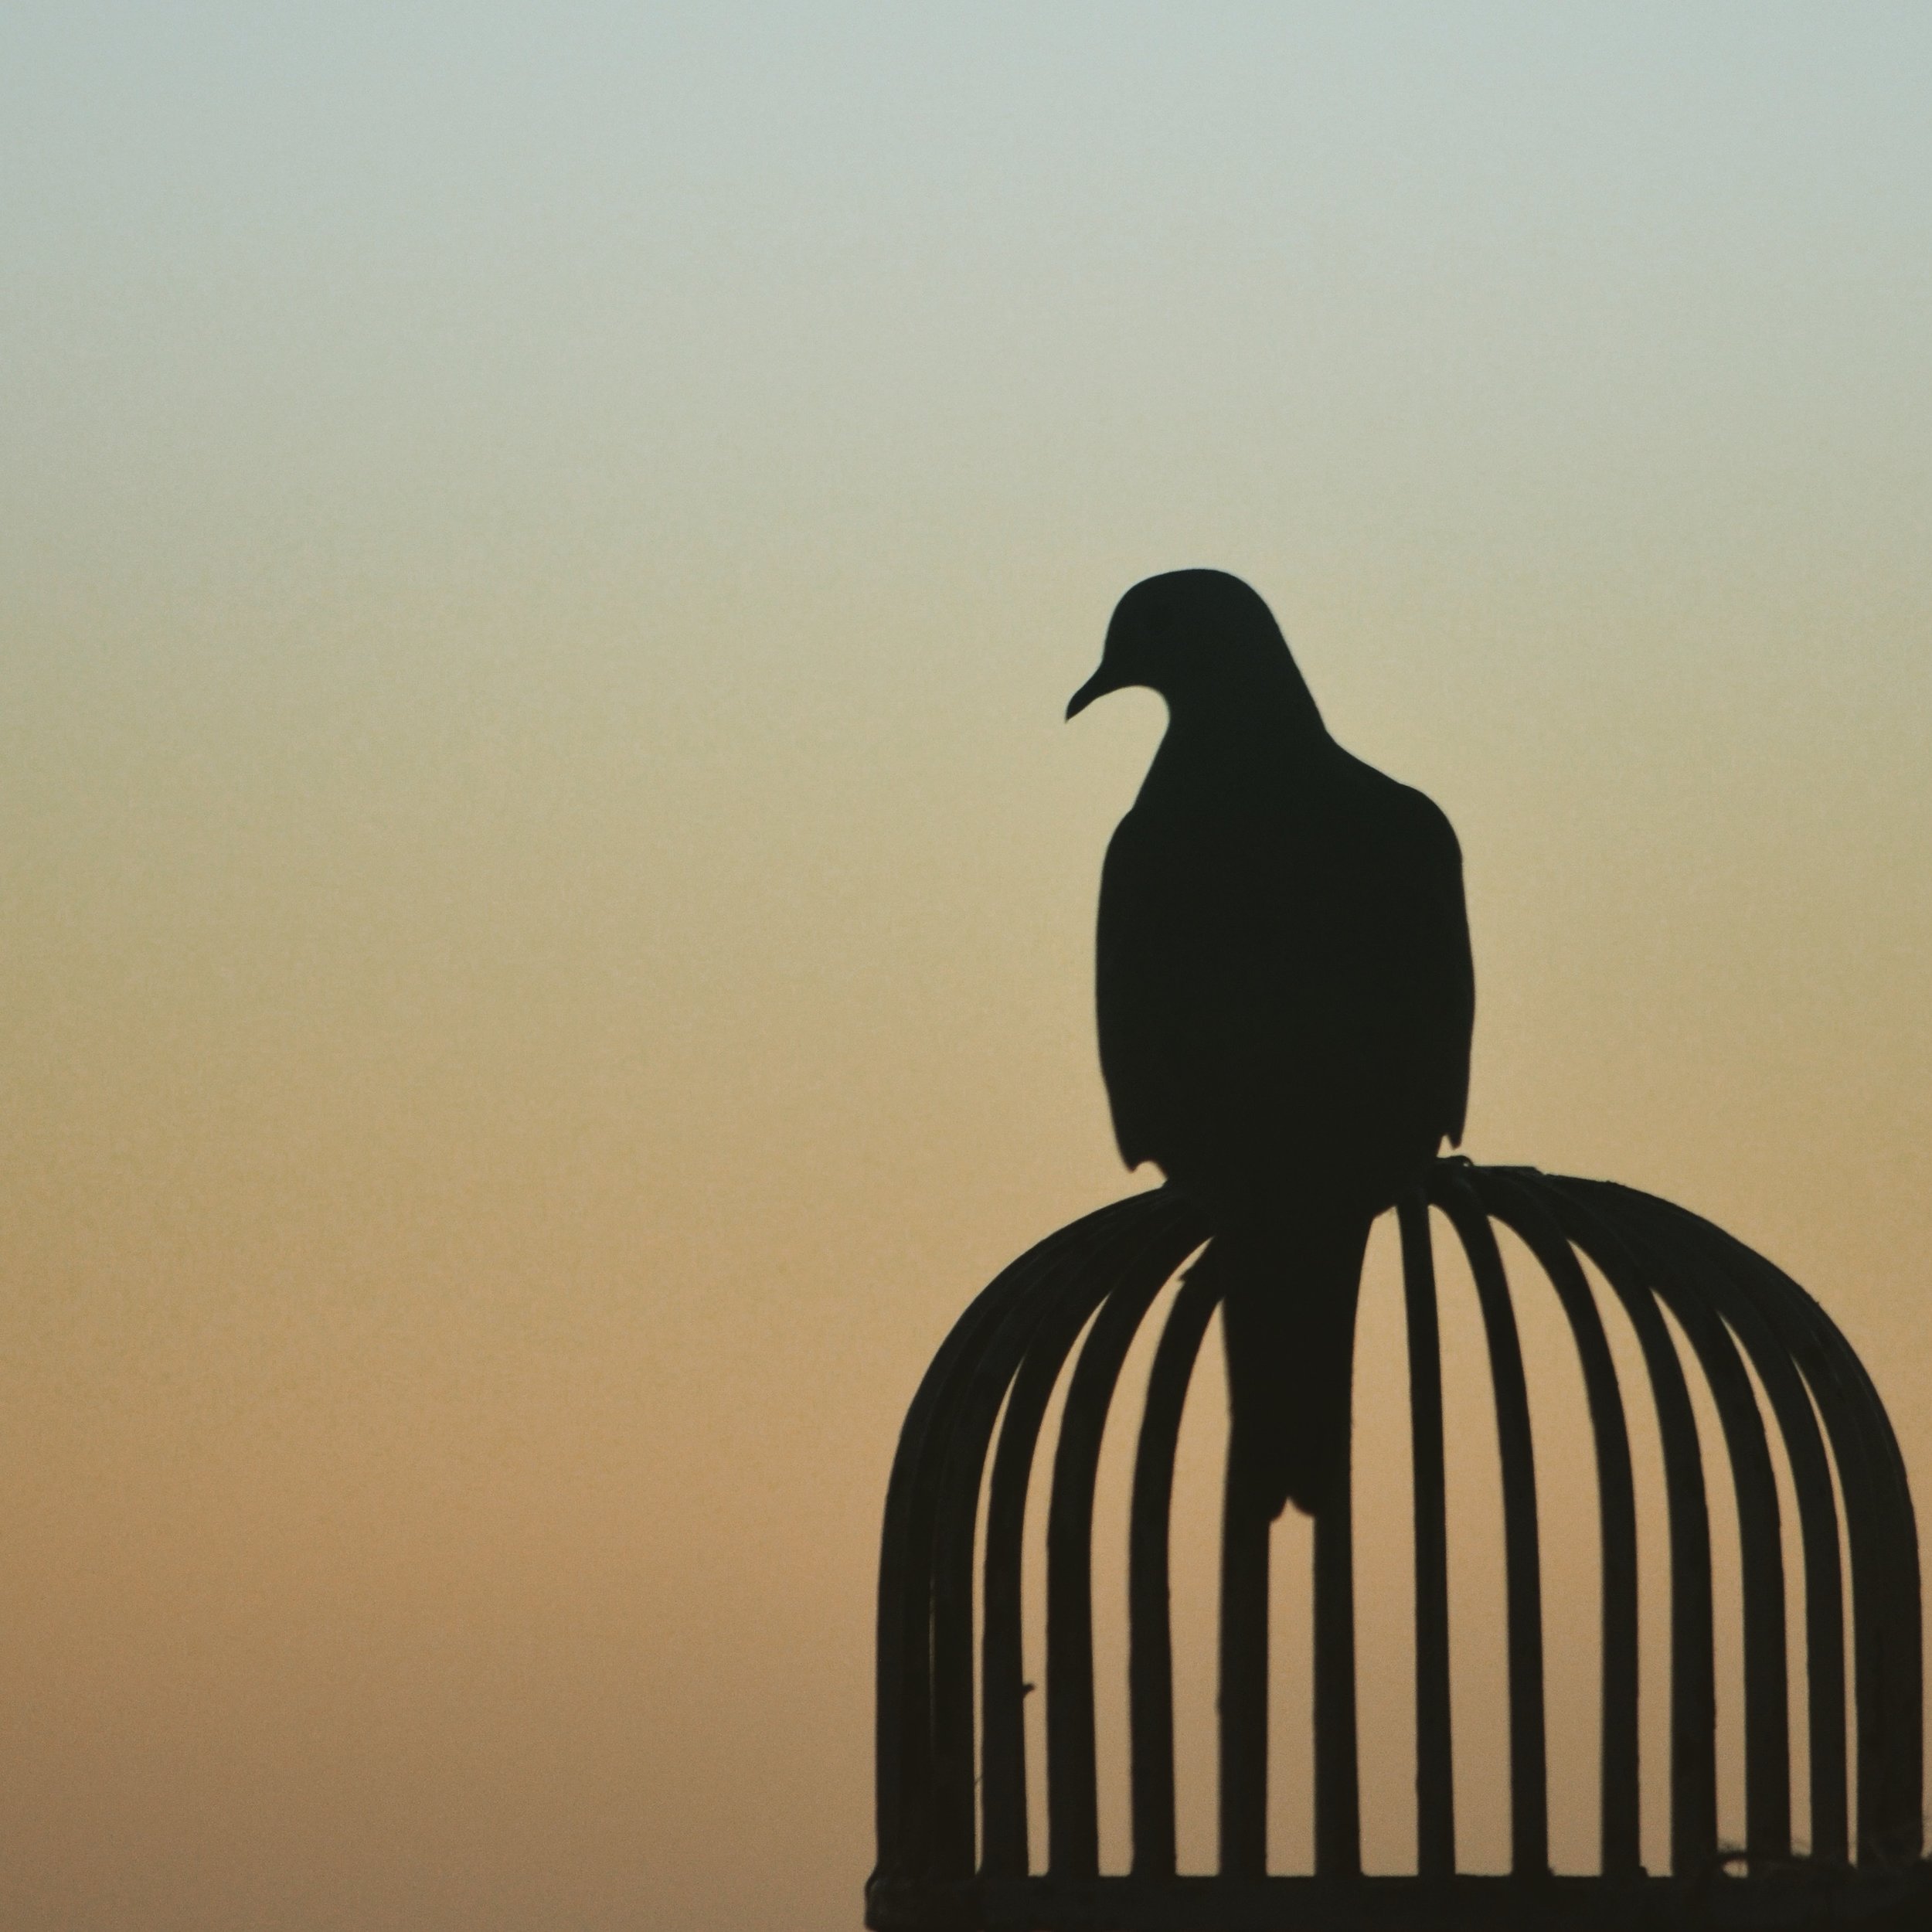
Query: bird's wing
{"points": [[1424, 924], [1150, 982], [1366, 1037], [1287, 986], [1210, 1019]]}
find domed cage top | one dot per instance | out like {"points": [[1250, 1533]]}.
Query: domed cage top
{"points": [[953, 1832]]}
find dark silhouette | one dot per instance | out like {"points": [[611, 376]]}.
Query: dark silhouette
{"points": [[1285, 999], [1285, 1005], [1717, 1327]]}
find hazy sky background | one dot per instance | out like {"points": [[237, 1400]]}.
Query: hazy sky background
{"points": [[548, 904]]}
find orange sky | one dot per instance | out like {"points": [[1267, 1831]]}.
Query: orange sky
{"points": [[548, 904]]}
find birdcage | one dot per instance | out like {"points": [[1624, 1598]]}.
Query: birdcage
{"points": [[955, 1847]]}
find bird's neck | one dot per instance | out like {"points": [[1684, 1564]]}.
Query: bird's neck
{"points": [[1236, 739]]}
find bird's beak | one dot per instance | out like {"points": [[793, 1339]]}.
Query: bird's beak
{"points": [[1096, 686]]}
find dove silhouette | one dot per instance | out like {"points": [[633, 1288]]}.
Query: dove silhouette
{"points": [[1285, 999]]}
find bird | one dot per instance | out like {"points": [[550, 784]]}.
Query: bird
{"points": [[1285, 996]]}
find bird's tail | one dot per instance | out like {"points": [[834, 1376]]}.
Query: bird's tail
{"points": [[1288, 1293]]}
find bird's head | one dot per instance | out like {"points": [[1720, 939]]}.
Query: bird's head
{"points": [[1196, 637]]}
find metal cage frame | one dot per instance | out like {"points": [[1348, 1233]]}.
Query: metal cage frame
{"points": [[953, 1848]]}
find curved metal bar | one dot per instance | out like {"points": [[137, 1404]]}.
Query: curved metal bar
{"points": [[1885, 1597], [1887, 1633], [1338, 1787], [1435, 1763], [1150, 1668], [1059, 1308], [1518, 1200], [1242, 1696], [998, 1369], [1693, 1693], [1829, 1793], [1072, 1798], [1029, 1359], [1817, 1524], [903, 1738], [1767, 1765], [1882, 1538], [1901, 1828], [1003, 1849], [903, 1661], [1528, 1779]]}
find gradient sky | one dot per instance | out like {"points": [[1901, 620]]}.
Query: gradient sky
{"points": [[547, 902]]}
